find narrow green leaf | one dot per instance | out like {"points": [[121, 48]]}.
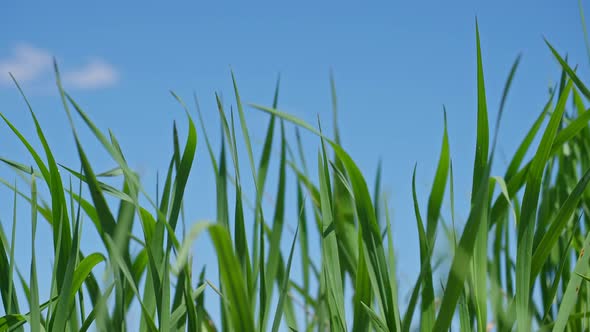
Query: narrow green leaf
{"points": [[427, 299], [526, 226], [232, 280], [571, 294], [557, 226], [280, 306]]}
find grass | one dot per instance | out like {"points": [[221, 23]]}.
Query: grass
{"points": [[519, 261]]}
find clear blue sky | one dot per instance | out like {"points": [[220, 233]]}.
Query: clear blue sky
{"points": [[395, 65]]}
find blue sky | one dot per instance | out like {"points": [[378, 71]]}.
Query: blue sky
{"points": [[395, 65]]}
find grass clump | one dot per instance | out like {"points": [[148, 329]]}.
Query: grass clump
{"points": [[518, 263]]}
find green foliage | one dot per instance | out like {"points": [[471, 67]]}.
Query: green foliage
{"points": [[519, 260]]}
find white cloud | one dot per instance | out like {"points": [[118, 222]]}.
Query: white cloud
{"points": [[27, 63], [96, 74], [31, 64]]}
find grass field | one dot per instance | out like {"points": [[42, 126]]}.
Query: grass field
{"points": [[517, 262]]}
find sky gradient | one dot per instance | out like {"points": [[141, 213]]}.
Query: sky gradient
{"points": [[395, 65]]}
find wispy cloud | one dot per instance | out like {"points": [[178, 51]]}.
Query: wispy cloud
{"points": [[27, 63], [31, 64], [94, 75]]}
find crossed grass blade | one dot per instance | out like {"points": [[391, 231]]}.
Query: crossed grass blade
{"points": [[526, 225]]}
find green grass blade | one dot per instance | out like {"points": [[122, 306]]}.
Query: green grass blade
{"points": [[244, 127], [438, 186], [362, 294], [482, 145], [184, 168], [527, 141], [558, 224], [392, 268], [304, 248], [10, 276], [103, 186], [480, 258], [526, 226], [94, 315], [274, 250], [101, 207], [366, 214], [378, 323], [234, 287], [571, 296], [570, 72], [9, 298], [280, 306], [334, 108], [376, 261], [117, 261], [571, 130], [60, 220], [330, 275], [462, 259], [427, 299], [65, 304], [177, 314], [377, 193], [34, 291], [556, 282]]}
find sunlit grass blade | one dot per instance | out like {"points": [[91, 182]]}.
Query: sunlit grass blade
{"points": [[570, 296], [12, 322], [184, 167], [117, 261], [526, 226], [65, 304], [414, 296], [103, 186], [283, 295], [528, 140], [101, 207], [343, 203], [241, 315], [462, 259], [293, 119], [427, 312], [178, 313], [362, 291], [377, 192], [244, 127], [334, 108], [570, 72], [376, 261], [259, 220], [480, 257], [34, 285], [7, 287], [377, 321], [557, 225], [274, 251], [366, 214], [60, 219], [435, 198], [330, 275], [240, 240], [571, 130], [10, 309], [556, 282], [95, 316]]}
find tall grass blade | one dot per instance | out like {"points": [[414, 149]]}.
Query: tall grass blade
{"points": [[526, 226], [241, 316]]}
